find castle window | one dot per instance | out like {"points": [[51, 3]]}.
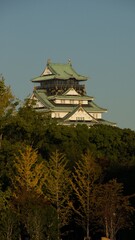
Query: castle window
{"points": [[80, 118]]}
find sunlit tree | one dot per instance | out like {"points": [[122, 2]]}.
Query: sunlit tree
{"points": [[58, 188], [7, 104], [86, 173], [28, 183], [6, 97], [30, 173]]}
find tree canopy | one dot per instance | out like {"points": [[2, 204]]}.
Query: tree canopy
{"points": [[47, 170]]}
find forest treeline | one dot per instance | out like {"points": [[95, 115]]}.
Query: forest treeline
{"points": [[63, 182]]}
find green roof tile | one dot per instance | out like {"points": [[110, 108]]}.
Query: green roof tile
{"points": [[60, 71], [40, 94]]}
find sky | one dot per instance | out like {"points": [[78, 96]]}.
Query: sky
{"points": [[97, 35]]}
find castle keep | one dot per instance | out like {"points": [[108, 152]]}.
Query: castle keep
{"points": [[61, 93]]}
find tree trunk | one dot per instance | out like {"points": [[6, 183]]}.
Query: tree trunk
{"points": [[0, 140]]}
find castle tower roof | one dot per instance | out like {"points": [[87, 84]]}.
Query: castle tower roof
{"points": [[59, 71]]}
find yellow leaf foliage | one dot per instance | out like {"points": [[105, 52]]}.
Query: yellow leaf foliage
{"points": [[30, 174], [58, 186], [86, 172], [6, 97]]}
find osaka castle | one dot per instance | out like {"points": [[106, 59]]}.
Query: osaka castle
{"points": [[60, 92]]}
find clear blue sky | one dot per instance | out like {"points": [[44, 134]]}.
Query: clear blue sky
{"points": [[97, 35]]}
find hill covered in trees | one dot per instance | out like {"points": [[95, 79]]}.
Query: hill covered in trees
{"points": [[61, 182]]}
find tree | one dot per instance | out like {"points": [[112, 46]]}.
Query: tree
{"points": [[7, 104], [58, 188], [9, 227], [30, 174], [41, 221], [113, 208], [8, 218], [6, 97], [28, 185], [113, 144], [86, 173], [28, 126]]}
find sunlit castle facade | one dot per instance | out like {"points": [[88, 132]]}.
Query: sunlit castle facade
{"points": [[61, 93]]}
